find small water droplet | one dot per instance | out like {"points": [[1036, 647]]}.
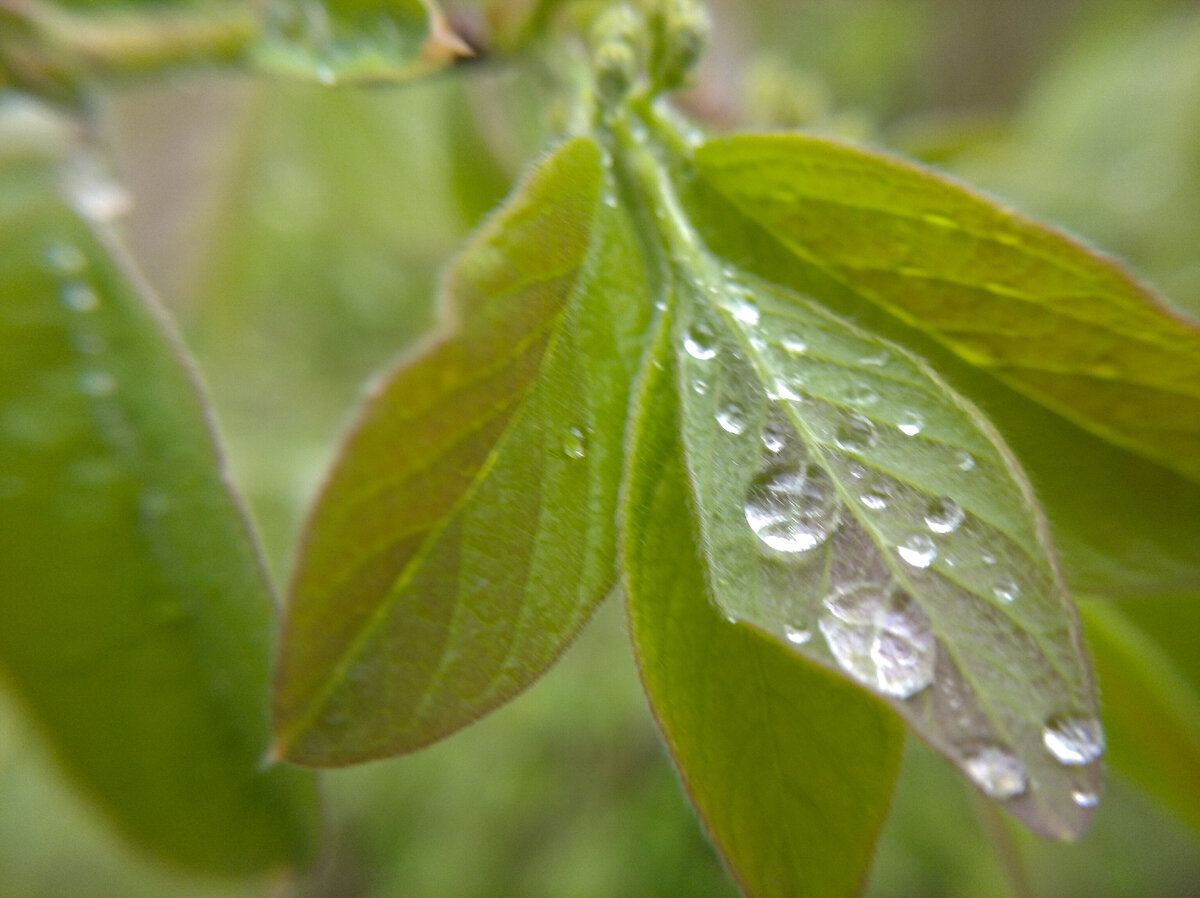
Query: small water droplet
{"points": [[876, 497], [610, 200], [793, 510], [1074, 739], [97, 383], [862, 394], [744, 309], [796, 635], [65, 258], [944, 516], [881, 637], [856, 470], [997, 771], [1085, 798], [700, 342], [877, 359], [1006, 591], [784, 390], [92, 191], [732, 419], [79, 297], [700, 386], [855, 434], [964, 460], [794, 343], [988, 558], [910, 423], [775, 436], [918, 550], [574, 443]]}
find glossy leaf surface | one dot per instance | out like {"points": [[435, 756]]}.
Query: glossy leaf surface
{"points": [[1056, 322], [790, 766], [468, 528], [138, 623]]}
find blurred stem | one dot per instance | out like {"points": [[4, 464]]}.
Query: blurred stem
{"points": [[1008, 852]]}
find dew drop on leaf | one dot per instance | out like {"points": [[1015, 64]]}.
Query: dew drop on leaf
{"points": [[1085, 798], [944, 516], [774, 437], [919, 550], [794, 343], [862, 394], [700, 386], [64, 258], [574, 443], [1006, 591], [744, 309], [796, 635], [793, 510], [875, 497], [1074, 739], [97, 383], [910, 423], [997, 771], [964, 460], [876, 360], [700, 342], [881, 637], [731, 419], [855, 434], [79, 298]]}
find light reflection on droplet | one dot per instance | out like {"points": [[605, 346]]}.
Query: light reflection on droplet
{"points": [[944, 516], [732, 419], [793, 510], [919, 550], [997, 771], [1074, 739], [910, 423]]}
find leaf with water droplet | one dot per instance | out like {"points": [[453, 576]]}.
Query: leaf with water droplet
{"points": [[790, 766], [467, 529], [866, 528], [138, 626], [1094, 382]]}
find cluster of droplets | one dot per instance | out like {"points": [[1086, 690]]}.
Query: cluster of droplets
{"points": [[881, 637]]}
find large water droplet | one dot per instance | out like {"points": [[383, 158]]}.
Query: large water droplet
{"points": [[79, 297], [793, 510], [855, 434], [910, 423], [944, 516], [574, 443], [700, 342], [881, 637], [919, 550], [997, 771], [1074, 739], [731, 419]]}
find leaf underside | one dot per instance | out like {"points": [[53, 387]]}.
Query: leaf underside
{"points": [[467, 530]]}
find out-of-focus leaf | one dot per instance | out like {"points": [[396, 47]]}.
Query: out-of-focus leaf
{"points": [[790, 766], [856, 507], [137, 617], [1121, 523], [346, 41], [467, 530], [1151, 711], [1051, 319]]}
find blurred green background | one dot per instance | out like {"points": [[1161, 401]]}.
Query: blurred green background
{"points": [[297, 233]]}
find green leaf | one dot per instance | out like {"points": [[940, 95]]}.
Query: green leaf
{"points": [[1044, 315], [357, 41], [467, 530], [1151, 711], [138, 622], [790, 766], [1122, 524]]}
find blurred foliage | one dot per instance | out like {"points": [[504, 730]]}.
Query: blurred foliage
{"points": [[298, 234]]}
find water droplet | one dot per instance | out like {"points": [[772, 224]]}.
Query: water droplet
{"points": [[918, 550], [944, 516], [574, 443], [1006, 591], [97, 383], [793, 510], [775, 436], [856, 470], [79, 297], [700, 342], [732, 419], [910, 423], [796, 635], [876, 497], [610, 200], [92, 191], [65, 258], [997, 771], [1085, 798], [881, 637], [862, 394], [1074, 739], [855, 434], [700, 386], [877, 359], [784, 390], [744, 309], [964, 460], [988, 558], [794, 344]]}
